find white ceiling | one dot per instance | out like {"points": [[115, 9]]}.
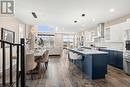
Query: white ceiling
{"points": [[63, 13]]}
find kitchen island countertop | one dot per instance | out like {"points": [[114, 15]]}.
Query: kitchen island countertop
{"points": [[88, 51]]}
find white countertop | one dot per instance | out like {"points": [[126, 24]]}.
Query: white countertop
{"points": [[39, 52], [116, 49], [89, 51], [108, 48]]}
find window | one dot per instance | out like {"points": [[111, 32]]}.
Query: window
{"points": [[45, 41], [45, 29], [68, 40], [45, 36]]}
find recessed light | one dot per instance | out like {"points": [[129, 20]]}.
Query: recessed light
{"points": [[75, 21], [112, 10]]}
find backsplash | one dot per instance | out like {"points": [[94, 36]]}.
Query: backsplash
{"points": [[111, 45]]}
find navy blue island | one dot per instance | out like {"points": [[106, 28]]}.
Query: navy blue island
{"points": [[94, 63]]}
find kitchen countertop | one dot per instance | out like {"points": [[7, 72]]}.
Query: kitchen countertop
{"points": [[88, 51], [114, 49]]}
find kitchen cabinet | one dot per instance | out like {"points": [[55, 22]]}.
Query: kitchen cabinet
{"points": [[94, 63], [90, 36], [112, 57], [128, 24], [119, 62], [114, 33], [115, 58], [107, 35]]}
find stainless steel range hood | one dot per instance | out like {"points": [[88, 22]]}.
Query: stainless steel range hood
{"points": [[100, 30]]}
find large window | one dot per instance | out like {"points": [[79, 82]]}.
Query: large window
{"points": [[68, 40], [45, 29], [45, 41], [45, 36]]}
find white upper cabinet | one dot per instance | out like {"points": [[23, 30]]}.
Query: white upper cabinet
{"points": [[128, 24], [90, 36], [114, 33]]}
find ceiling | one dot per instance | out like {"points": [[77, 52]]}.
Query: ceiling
{"points": [[61, 14]]}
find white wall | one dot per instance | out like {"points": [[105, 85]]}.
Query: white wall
{"points": [[58, 42], [12, 24], [101, 42]]}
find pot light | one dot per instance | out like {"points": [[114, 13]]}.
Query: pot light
{"points": [[75, 21], [112, 10]]}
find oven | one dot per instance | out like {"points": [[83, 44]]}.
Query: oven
{"points": [[126, 57], [127, 45]]}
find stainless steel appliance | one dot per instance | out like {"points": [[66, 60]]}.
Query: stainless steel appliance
{"points": [[126, 54], [127, 45], [126, 62]]}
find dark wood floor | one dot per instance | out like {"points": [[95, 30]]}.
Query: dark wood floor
{"points": [[59, 74]]}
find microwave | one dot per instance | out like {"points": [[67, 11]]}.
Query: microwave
{"points": [[127, 44]]}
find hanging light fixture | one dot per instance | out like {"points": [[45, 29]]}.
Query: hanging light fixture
{"points": [[33, 30]]}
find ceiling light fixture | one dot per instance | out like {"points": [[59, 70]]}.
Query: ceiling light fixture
{"points": [[112, 10], [75, 21], [34, 14], [83, 15]]}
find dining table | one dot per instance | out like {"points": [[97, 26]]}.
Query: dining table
{"points": [[39, 53]]}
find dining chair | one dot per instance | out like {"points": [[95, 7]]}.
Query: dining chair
{"points": [[30, 63], [45, 58]]}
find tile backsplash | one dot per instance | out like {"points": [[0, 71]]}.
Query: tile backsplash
{"points": [[112, 45]]}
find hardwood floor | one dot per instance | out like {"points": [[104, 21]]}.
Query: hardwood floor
{"points": [[59, 74]]}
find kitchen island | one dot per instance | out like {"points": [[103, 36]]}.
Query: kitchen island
{"points": [[94, 63]]}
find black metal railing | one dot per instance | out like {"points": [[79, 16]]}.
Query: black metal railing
{"points": [[20, 72]]}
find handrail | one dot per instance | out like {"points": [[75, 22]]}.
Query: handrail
{"points": [[20, 61], [8, 42]]}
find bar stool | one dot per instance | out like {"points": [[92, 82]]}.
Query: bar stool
{"points": [[74, 59]]}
